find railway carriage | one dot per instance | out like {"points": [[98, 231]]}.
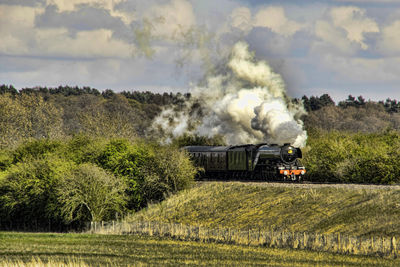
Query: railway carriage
{"points": [[255, 162]]}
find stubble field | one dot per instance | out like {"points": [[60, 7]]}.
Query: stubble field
{"points": [[49, 249]]}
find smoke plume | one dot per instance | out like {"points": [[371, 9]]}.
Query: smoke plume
{"points": [[243, 100]]}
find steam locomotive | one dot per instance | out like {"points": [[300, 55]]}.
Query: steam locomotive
{"points": [[254, 162]]}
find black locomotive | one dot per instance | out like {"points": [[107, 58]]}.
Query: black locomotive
{"points": [[255, 162]]}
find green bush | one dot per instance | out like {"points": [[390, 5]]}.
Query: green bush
{"points": [[166, 171], [6, 159], [150, 171], [27, 193], [353, 157], [121, 157], [84, 149], [90, 193], [124, 159], [34, 149]]}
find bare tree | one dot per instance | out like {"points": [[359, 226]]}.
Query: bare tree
{"points": [[91, 190]]}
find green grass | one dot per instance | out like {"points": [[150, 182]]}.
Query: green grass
{"points": [[122, 250], [355, 211]]}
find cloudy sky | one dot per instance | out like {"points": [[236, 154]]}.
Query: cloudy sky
{"points": [[337, 47]]}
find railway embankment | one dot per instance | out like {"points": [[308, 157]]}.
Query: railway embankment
{"points": [[356, 210]]}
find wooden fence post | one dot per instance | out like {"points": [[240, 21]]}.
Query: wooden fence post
{"points": [[372, 244], [200, 233], [394, 246]]}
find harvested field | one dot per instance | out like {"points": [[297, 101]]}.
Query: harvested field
{"points": [[37, 249]]}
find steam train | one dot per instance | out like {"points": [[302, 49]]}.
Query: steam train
{"points": [[254, 162]]}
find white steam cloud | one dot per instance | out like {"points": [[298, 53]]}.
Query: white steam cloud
{"points": [[244, 101]]}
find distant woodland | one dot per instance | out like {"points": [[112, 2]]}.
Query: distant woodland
{"points": [[352, 115], [64, 111]]}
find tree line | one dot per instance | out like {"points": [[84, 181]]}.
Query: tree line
{"points": [[312, 103], [64, 111], [145, 97], [317, 102]]}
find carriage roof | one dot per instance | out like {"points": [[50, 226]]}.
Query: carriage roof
{"points": [[207, 148]]}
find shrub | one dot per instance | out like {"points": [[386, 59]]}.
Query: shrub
{"points": [[167, 171], [35, 149], [150, 171], [84, 149], [91, 194], [353, 157], [27, 193], [124, 159], [5, 159]]}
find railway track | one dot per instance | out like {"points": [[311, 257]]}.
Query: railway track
{"points": [[307, 184]]}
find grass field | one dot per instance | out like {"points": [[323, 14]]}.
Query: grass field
{"points": [[352, 210], [19, 249]]}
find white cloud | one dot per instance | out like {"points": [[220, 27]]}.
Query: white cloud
{"points": [[172, 19], [17, 25], [21, 37], [354, 21], [390, 42], [101, 73], [97, 43], [240, 18], [275, 19], [343, 31], [70, 5], [358, 70], [50, 72], [333, 40]]}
